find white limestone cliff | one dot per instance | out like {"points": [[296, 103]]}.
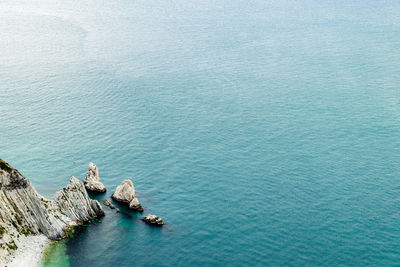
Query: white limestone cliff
{"points": [[24, 212]]}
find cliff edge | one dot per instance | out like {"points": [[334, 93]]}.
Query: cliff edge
{"points": [[24, 212]]}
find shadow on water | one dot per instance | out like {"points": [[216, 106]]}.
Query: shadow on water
{"points": [[56, 253], [103, 238]]}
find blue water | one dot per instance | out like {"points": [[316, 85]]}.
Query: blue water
{"points": [[262, 132]]}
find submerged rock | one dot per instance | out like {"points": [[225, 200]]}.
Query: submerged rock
{"points": [[125, 193], [24, 212], [108, 203], [153, 219], [92, 180]]}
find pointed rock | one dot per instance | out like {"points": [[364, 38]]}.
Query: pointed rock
{"points": [[125, 193], [135, 205], [92, 180], [75, 202]]}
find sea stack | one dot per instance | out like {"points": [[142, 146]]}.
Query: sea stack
{"points": [[153, 220], [24, 212], [92, 180], [125, 193]]}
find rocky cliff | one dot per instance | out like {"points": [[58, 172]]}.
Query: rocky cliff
{"points": [[24, 212]]}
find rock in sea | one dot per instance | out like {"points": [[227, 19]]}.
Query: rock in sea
{"points": [[135, 205], [24, 212], [153, 220], [108, 203], [92, 180], [125, 193]]}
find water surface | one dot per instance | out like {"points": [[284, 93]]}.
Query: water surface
{"points": [[262, 132]]}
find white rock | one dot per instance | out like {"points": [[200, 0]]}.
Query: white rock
{"points": [[24, 212], [92, 180], [135, 205], [125, 192], [75, 203], [153, 219]]}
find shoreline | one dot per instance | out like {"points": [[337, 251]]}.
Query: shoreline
{"points": [[29, 252], [30, 221]]}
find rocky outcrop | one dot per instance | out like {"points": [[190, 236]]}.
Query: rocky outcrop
{"points": [[108, 204], [135, 205], [153, 219], [24, 212], [92, 180], [75, 203], [125, 193]]}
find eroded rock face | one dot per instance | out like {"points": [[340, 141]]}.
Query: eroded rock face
{"points": [[75, 203], [125, 193], [92, 180], [24, 211], [135, 205], [153, 219]]}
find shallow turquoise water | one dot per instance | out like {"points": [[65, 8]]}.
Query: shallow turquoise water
{"points": [[262, 132]]}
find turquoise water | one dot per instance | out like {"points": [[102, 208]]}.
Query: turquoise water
{"points": [[262, 132]]}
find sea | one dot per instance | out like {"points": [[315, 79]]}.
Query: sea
{"points": [[263, 132]]}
